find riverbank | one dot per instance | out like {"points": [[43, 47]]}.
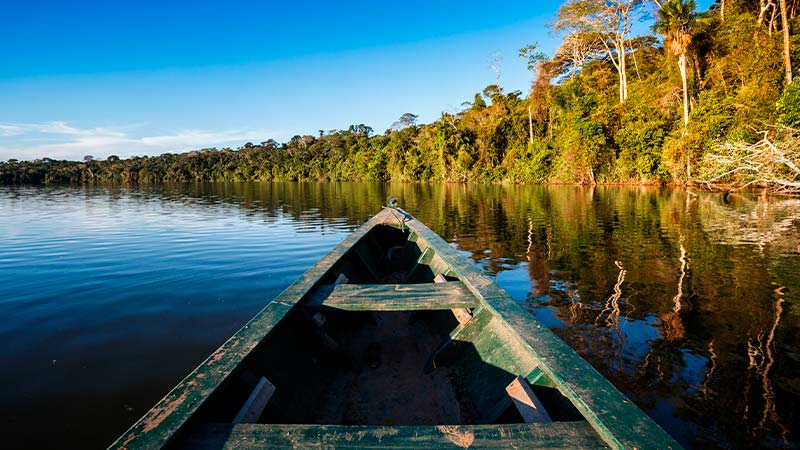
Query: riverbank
{"points": [[51, 172], [770, 163]]}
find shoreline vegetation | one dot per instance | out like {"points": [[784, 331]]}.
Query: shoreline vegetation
{"points": [[706, 98]]}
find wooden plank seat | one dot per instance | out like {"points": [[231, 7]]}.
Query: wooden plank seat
{"points": [[556, 435], [393, 297]]}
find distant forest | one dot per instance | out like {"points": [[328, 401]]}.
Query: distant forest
{"points": [[706, 97]]}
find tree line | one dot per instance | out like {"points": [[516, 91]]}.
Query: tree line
{"points": [[687, 102]]}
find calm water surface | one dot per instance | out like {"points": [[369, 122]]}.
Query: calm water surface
{"points": [[687, 301]]}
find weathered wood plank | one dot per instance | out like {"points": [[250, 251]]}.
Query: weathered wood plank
{"points": [[462, 314], [538, 378], [437, 265], [558, 435], [423, 260], [255, 404], [394, 297], [494, 358], [528, 405], [445, 354]]}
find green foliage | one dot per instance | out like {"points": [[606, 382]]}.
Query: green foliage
{"points": [[531, 162], [788, 106], [532, 55], [712, 118], [675, 21], [709, 124], [640, 140], [584, 152]]}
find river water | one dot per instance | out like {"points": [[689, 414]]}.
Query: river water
{"points": [[685, 300]]}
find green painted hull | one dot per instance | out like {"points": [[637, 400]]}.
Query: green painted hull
{"points": [[392, 359]]}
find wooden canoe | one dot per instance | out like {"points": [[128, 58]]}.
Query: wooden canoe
{"points": [[394, 340]]}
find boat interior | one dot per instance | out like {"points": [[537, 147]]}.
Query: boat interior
{"points": [[389, 336]]}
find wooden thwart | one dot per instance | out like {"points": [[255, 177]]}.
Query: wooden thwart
{"points": [[528, 405], [255, 404], [557, 435], [394, 297]]}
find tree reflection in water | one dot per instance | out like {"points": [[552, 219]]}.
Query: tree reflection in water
{"points": [[662, 290]]}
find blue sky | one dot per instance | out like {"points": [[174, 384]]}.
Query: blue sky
{"points": [[147, 77]]}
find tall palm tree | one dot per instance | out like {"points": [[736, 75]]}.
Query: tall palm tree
{"points": [[676, 20]]}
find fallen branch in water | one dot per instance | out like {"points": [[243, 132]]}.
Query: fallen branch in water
{"points": [[770, 163]]}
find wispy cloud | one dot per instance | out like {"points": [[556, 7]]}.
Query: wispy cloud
{"points": [[10, 130], [60, 140]]}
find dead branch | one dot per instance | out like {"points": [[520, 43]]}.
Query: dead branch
{"points": [[773, 163]]}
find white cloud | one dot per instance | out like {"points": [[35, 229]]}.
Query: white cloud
{"points": [[10, 130], [60, 140]]}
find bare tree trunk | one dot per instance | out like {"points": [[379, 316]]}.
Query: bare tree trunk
{"points": [[623, 72], [688, 166], [682, 67], [530, 123], [618, 65], [762, 10], [722, 10], [772, 26], [787, 60]]}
